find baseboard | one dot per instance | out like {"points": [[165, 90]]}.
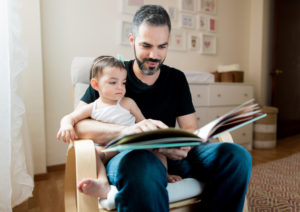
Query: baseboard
{"points": [[45, 176], [39, 177], [55, 168]]}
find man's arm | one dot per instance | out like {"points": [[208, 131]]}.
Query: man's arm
{"points": [[188, 122], [102, 133]]}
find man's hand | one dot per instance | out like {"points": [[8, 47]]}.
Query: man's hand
{"points": [[145, 125], [175, 153]]}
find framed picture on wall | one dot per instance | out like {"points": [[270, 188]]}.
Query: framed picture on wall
{"points": [[187, 21], [172, 11], [193, 42], [202, 22], [207, 6], [178, 40], [208, 44], [126, 28], [131, 6], [212, 24], [187, 6]]}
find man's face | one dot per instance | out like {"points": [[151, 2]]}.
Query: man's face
{"points": [[150, 47]]}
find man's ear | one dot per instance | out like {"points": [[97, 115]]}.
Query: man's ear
{"points": [[94, 84], [131, 39]]}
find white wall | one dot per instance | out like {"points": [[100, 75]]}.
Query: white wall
{"points": [[33, 82], [92, 27]]}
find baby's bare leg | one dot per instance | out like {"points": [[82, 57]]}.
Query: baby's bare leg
{"points": [[163, 159], [96, 187]]}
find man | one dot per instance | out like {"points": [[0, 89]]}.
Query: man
{"points": [[162, 93]]}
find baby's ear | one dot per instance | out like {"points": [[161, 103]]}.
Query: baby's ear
{"points": [[94, 83]]}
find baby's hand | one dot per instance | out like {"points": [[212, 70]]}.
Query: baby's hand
{"points": [[67, 134]]}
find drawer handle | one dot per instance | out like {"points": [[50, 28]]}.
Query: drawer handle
{"points": [[218, 116], [198, 95], [245, 95], [198, 118], [219, 95], [244, 134]]}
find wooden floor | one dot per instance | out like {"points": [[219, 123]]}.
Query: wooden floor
{"points": [[48, 194], [284, 148]]}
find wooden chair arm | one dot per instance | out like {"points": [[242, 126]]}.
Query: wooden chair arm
{"points": [[81, 163]]}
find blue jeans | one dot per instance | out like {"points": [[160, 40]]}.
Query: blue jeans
{"points": [[141, 178]]}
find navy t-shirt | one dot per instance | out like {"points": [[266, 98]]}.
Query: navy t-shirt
{"points": [[168, 98]]}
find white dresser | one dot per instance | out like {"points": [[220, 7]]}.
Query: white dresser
{"points": [[211, 100]]}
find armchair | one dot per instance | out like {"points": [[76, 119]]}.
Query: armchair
{"points": [[81, 163]]}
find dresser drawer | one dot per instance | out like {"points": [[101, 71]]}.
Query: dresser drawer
{"points": [[242, 136], [200, 95], [207, 114], [230, 94], [220, 94]]}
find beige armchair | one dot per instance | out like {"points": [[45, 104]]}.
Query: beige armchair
{"points": [[81, 162]]}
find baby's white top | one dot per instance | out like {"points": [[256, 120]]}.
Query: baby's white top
{"points": [[114, 114]]}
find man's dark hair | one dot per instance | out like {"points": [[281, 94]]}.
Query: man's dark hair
{"points": [[153, 15]]}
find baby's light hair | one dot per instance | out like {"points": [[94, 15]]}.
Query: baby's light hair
{"points": [[102, 62]]}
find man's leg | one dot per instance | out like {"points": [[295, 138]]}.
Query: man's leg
{"points": [[141, 180], [225, 169]]}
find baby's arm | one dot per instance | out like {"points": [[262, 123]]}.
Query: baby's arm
{"points": [[66, 131], [130, 105]]}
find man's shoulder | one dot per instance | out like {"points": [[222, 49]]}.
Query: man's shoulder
{"points": [[171, 71]]}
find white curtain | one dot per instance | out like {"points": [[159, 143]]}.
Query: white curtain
{"points": [[16, 171]]}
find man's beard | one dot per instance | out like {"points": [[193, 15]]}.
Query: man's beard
{"points": [[149, 71]]}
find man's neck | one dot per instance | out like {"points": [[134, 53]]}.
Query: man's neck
{"points": [[147, 79]]}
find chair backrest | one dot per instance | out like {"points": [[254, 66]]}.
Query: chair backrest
{"points": [[80, 73]]}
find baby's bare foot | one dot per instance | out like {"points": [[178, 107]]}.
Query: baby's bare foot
{"points": [[94, 187], [173, 178]]}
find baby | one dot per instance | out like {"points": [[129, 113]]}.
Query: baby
{"points": [[108, 77]]}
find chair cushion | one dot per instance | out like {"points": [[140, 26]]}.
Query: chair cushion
{"points": [[184, 189], [78, 92], [80, 70]]}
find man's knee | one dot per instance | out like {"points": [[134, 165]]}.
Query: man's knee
{"points": [[236, 156]]}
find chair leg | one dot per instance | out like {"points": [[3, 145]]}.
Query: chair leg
{"points": [[81, 163], [85, 168], [70, 181], [245, 209]]}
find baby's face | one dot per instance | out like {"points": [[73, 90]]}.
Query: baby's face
{"points": [[112, 83]]}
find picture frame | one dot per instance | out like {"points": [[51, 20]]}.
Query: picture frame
{"points": [[172, 11], [188, 6], [202, 23], [126, 28], [131, 6], [208, 44], [193, 42], [177, 40], [187, 21], [211, 24], [207, 6]]}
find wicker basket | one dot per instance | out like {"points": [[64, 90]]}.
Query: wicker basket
{"points": [[265, 129], [229, 76]]}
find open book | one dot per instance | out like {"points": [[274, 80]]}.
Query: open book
{"points": [[162, 138]]}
